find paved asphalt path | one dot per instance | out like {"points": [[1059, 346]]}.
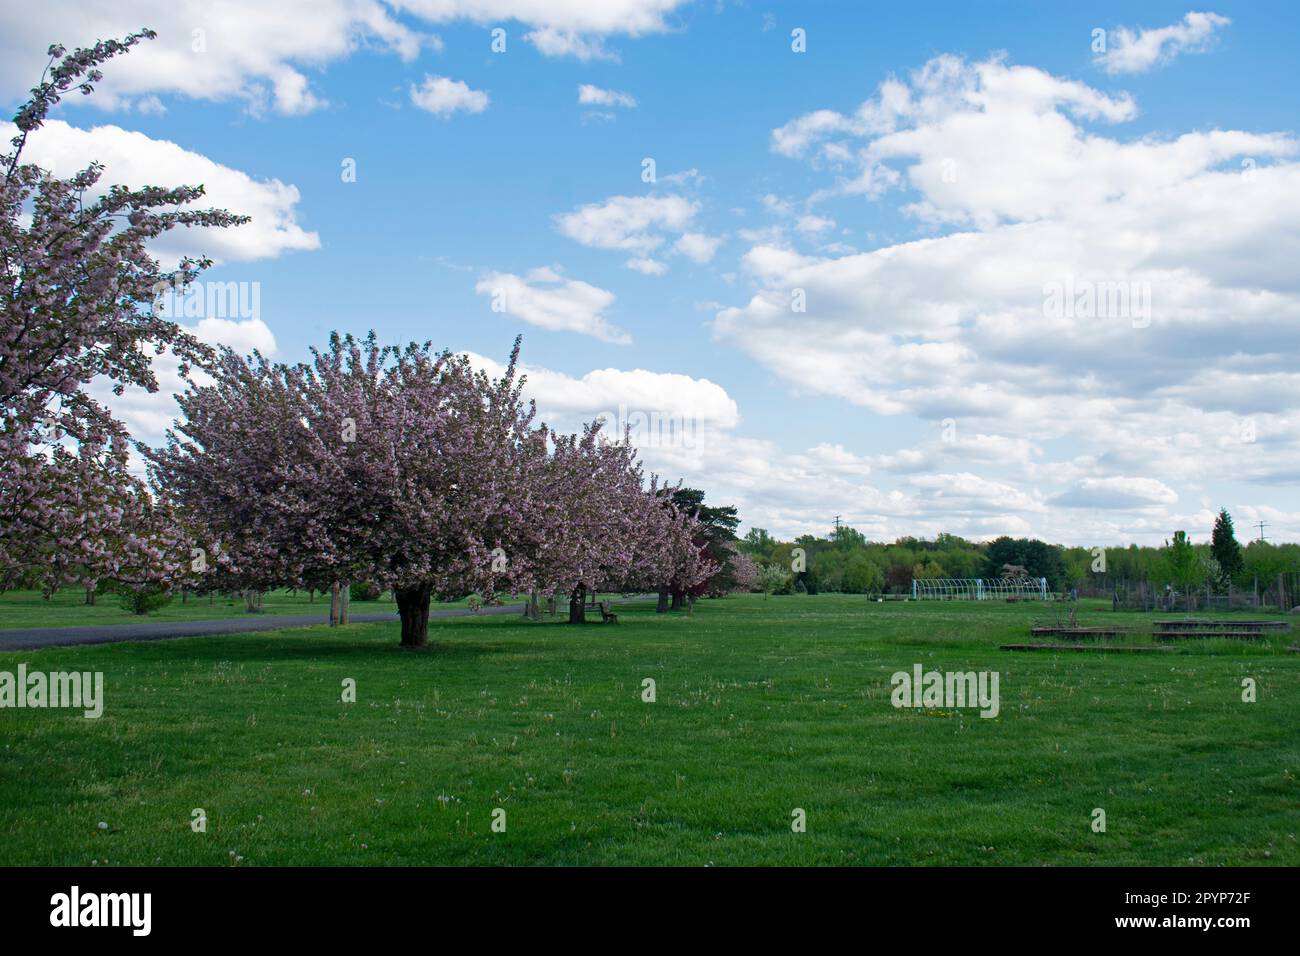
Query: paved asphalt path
{"points": [[27, 638]]}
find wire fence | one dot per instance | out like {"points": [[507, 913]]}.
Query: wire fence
{"points": [[1280, 594]]}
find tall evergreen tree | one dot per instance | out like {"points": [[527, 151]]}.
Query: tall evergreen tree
{"points": [[1224, 546]]}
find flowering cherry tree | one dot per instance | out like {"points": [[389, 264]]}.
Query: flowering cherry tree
{"points": [[591, 524], [407, 469], [744, 570], [403, 468], [76, 286]]}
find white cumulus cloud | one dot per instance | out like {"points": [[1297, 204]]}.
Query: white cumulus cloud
{"points": [[589, 95], [136, 160], [550, 301], [1136, 51], [442, 96]]}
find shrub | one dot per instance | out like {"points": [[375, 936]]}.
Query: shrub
{"points": [[144, 600], [364, 591]]}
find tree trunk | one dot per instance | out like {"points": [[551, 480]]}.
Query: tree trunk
{"points": [[90, 595], [677, 600], [662, 607], [532, 609], [550, 605], [577, 608], [345, 602], [334, 604], [413, 608]]}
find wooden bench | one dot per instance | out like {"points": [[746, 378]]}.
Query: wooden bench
{"points": [[1196, 624], [1196, 635], [1078, 632], [1098, 648], [606, 615], [1194, 628]]}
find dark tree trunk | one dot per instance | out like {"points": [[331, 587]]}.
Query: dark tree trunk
{"points": [[577, 609], [90, 596], [413, 608], [677, 600], [662, 607]]}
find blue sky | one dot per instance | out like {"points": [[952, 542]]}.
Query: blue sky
{"points": [[966, 410]]}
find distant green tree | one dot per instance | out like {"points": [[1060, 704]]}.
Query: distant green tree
{"points": [[1038, 558], [1184, 566], [848, 539], [826, 571], [759, 543], [1224, 546], [861, 576], [717, 532], [1264, 561], [774, 579]]}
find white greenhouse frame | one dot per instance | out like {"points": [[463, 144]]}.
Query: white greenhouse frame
{"points": [[978, 589]]}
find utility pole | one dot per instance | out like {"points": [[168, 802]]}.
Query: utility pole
{"points": [[837, 526], [1261, 525]]}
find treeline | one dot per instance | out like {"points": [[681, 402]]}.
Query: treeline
{"points": [[846, 562]]}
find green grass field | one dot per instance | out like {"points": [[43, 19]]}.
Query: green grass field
{"points": [[763, 706]]}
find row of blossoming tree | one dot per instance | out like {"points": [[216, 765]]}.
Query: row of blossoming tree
{"points": [[403, 468], [411, 471]]}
